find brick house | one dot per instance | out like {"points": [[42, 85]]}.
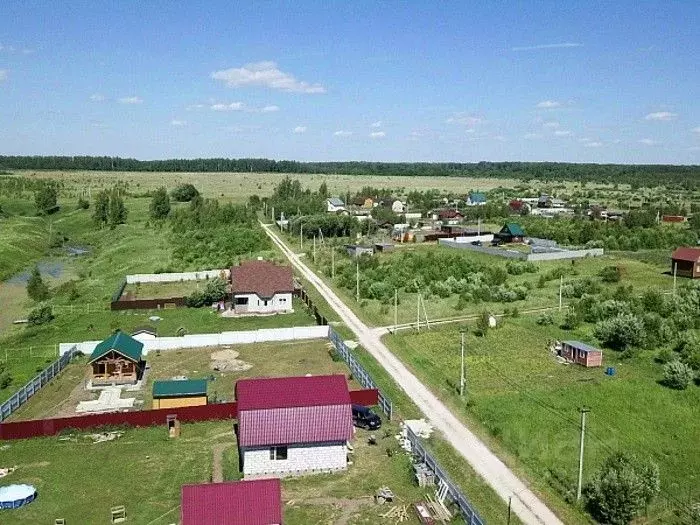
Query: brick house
{"points": [[581, 353], [293, 425], [116, 360], [261, 287], [256, 502], [686, 262]]}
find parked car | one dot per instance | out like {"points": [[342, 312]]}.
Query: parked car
{"points": [[476, 243], [363, 417]]}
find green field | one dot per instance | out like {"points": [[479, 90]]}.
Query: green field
{"points": [[525, 404]]}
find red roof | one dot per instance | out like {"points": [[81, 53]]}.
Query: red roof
{"points": [[687, 254], [255, 502], [262, 278], [449, 214], [293, 410]]}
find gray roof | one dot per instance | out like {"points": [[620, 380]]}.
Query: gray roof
{"points": [[335, 201], [582, 346]]}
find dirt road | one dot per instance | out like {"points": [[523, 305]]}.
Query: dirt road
{"points": [[528, 507]]}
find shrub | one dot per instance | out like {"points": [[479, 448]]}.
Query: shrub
{"points": [[622, 489], [184, 193], [664, 356], [610, 274], [677, 375], [160, 204], [215, 290], [483, 323], [83, 204], [571, 320], [36, 287], [620, 332], [40, 315], [545, 319], [45, 198]]}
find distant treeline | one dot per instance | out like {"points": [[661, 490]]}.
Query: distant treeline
{"points": [[637, 175]]}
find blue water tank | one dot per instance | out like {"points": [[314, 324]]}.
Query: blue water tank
{"points": [[610, 371]]}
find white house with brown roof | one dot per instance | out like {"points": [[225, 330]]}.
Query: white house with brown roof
{"points": [[261, 287], [293, 425]]}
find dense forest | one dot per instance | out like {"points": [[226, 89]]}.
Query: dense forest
{"points": [[638, 175]]}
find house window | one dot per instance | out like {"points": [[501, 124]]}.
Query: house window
{"points": [[283, 299], [241, 301], [278, 453], [265, 302]]}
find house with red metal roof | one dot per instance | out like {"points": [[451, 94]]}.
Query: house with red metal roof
{"points": [[257, 502], [261, 287], [293, 425], [685, 262]]}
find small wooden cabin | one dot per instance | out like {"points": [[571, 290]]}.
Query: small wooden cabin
{"points": [[511, 232], [117, 360], [685, 262], [179, 393], [581, 354]]}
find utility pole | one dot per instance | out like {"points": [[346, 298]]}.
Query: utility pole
{"points": [[510, 500], [314, 252], [357, 278], [675, 272], [301, 236], [333, 263], [584, 411], [396, 308], [418, 313], [461, 377], [561, 286], [273, 214]]}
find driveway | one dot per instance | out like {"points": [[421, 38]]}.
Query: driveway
{"points": [[526, 505]]}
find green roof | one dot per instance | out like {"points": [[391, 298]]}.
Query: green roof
{"points": [[180, 388], [514, 229], [121, 343]]}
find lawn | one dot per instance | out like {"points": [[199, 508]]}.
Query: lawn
{"points": [[525, 405]]}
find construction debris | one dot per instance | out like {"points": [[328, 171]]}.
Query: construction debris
{"points": [[420, 428], [383, 495], [424, 514], [105, 436], [424, 475], [399, 513], [5, 471], [227, 361]]}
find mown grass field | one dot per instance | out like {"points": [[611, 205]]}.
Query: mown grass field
{"points": [[525, 404]]}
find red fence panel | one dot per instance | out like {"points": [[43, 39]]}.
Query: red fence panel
{"points": [[368, 397], [50, 427]]}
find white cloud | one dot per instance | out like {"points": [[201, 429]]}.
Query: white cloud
{"points": [[465, 118], [593, 144], [342, 133], [547, 46], [192, 107], [131, 100], [97, 97], [300, 129], [3, 75], [696, 130], [562, 133], [178, 123], [377, 124], [551, 124], [265, 74], [549, 104], [233, 106], [532, 136], [270, 109], [649, 142], [377, 134], [661, 115]]}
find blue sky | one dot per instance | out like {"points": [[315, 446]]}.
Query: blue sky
{"points": [[385, 81]]}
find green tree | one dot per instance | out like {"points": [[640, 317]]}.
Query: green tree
{"points": [[184, 193], [622, 488], [620, 332], [483, 323], [45, 198], [323, 190], [100, 212], [37, 290], [117, 210], [677, 375], [83, 204], [40, 315], [160, 204]]}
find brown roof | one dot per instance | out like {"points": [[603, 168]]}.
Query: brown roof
{"points": [[262, 278], [687, 254]]}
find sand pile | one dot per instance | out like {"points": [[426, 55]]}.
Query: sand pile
{"points": [[227, 361]]}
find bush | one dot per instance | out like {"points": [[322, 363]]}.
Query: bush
{"points": [[184, 193], [215, 290], [160, 204], [610, 274], [545, 319], [520, 267], [571, 320], [622, 489], [483, 323], [83, 204], [40, 315], [45, 198], [620, 332], [677, 375]]}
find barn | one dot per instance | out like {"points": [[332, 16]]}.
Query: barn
{"points": [[261, 287], [116, 360], [293, 425], [685, 262], [581, 353], [179, 393], [255, 502]]}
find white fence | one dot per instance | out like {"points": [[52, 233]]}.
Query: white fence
{"points": [[176, 277], [565, 254], [263, 335]]}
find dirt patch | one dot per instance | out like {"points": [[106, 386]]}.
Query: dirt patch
{"points": [[348, 507], [227, 361], [217, 472]]}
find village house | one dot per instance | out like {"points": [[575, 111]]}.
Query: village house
{"points": [[448, 216], [335, 205], [116, 360], [179, 393], [261, 287], [254, 502], [398, 207], [476, 199], [293, 425], [511, 232], [144, 333], [581, 353], [685, 262]]}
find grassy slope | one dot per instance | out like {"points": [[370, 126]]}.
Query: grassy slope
{"points": [[526, 404]]}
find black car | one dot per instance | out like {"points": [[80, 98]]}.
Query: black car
{"points": [[363, 417]]}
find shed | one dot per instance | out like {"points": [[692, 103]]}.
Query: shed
{"points": [[293, 425], [383, 246], [581, 353], [355, 250], [255, 502], [179, 393], [511, 232], [476, 199], [116, 360], [685, 262]]}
